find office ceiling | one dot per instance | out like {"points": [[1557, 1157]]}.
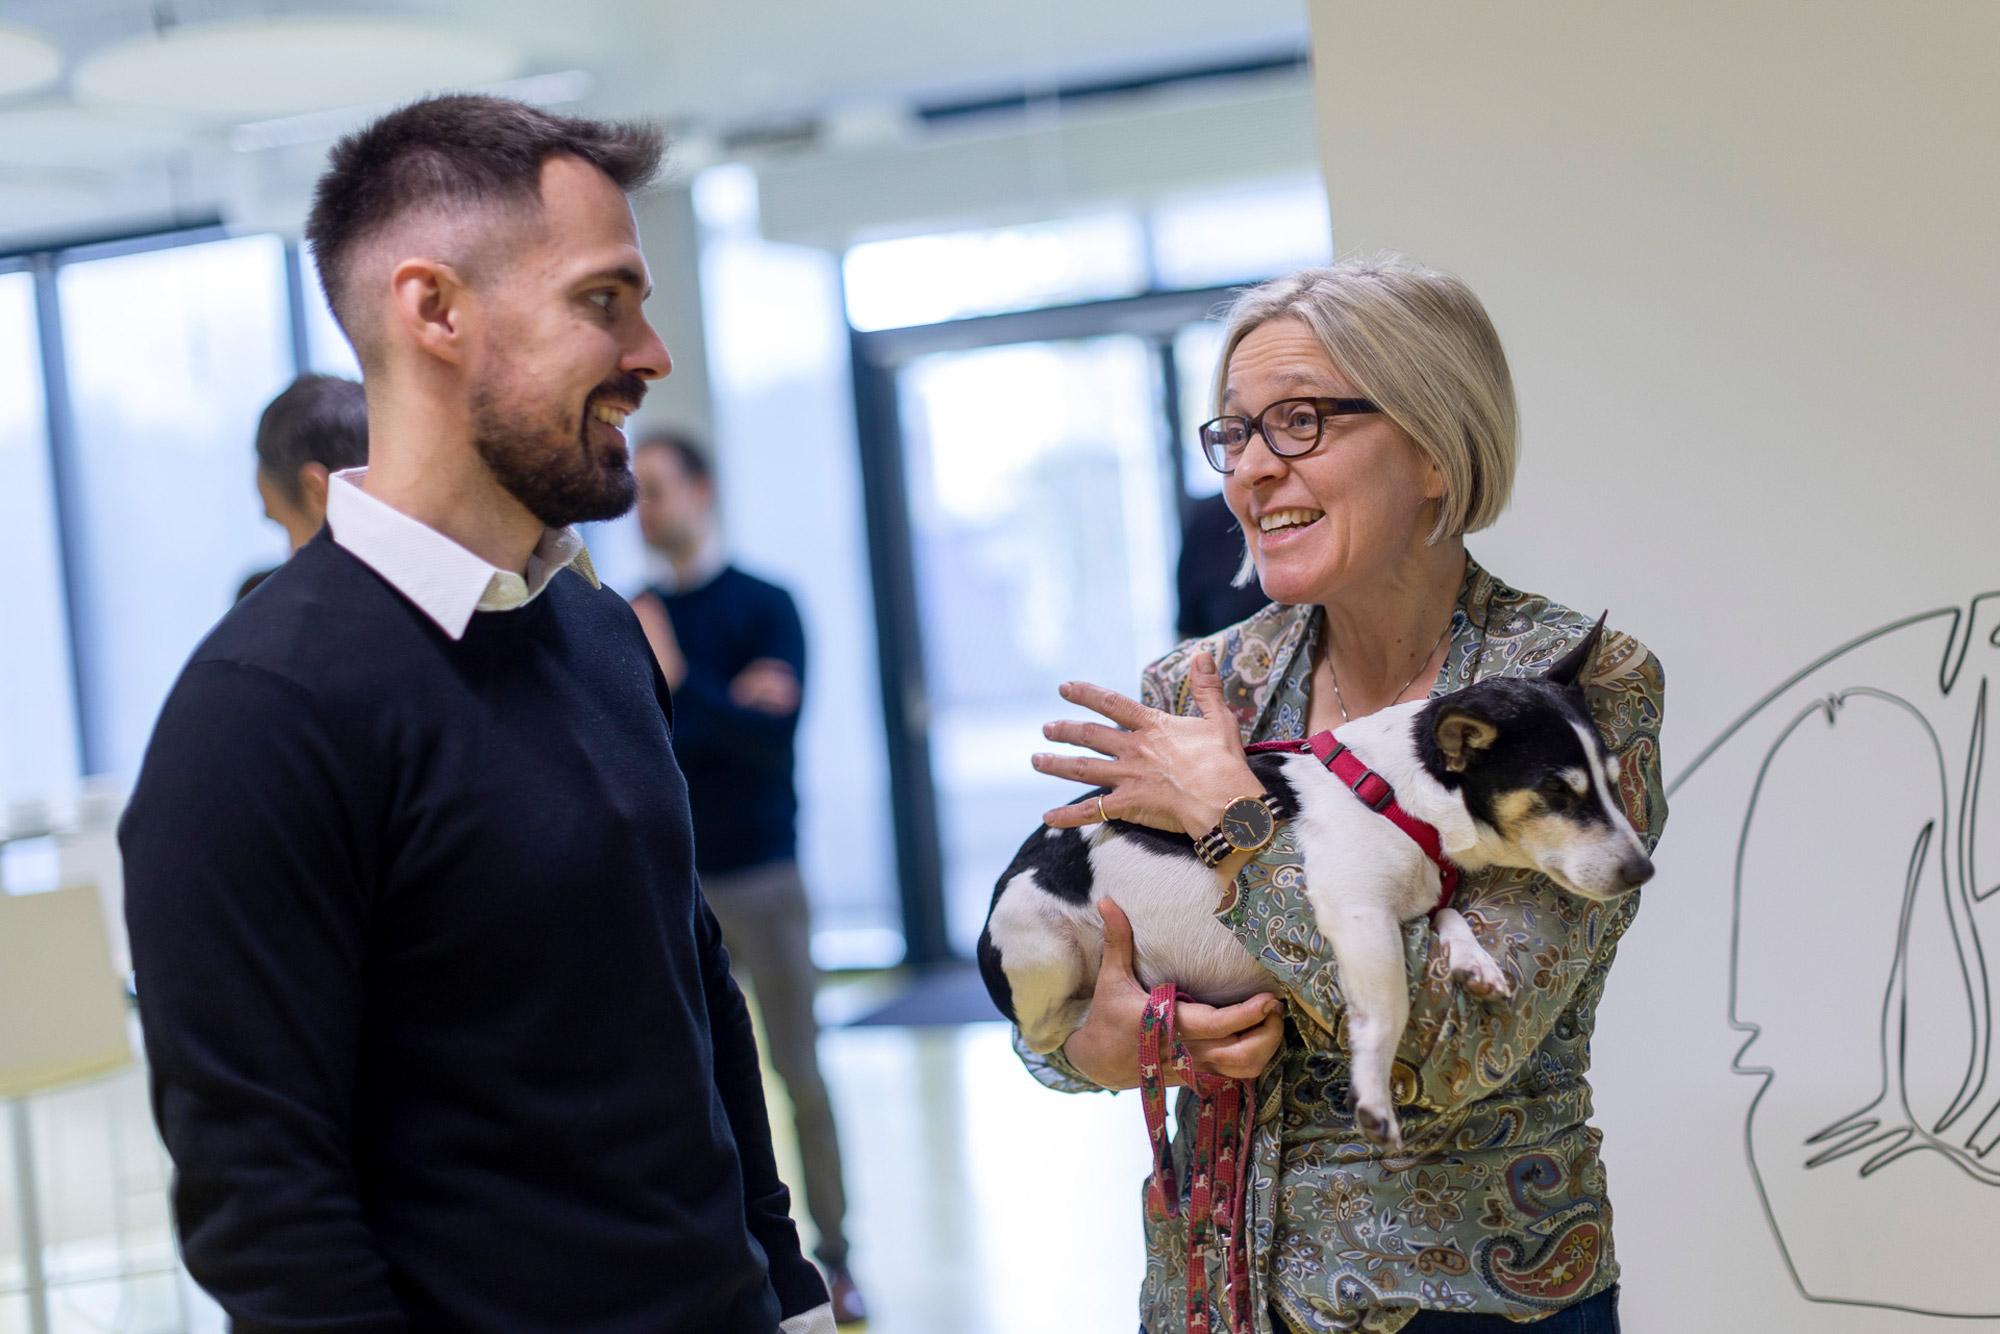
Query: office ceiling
{"points": [[722, 75]]}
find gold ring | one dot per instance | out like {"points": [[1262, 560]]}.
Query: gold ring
{"points": [[1102, 817]]}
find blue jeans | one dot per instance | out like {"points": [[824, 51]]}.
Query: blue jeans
{"points": [[1594, 1315]]}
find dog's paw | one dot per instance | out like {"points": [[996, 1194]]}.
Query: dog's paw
{"points": [[1478, 974], [1376, 1119]]}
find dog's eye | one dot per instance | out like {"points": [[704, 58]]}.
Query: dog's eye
{"points": [[1557, 792]]}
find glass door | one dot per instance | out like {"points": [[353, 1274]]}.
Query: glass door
{"points": [[1043, 538]]}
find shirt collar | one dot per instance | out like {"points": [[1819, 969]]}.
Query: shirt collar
{"points": [[445, 581]]}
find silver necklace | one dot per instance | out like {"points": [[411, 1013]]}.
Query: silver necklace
{"points": [[1335, 679]]}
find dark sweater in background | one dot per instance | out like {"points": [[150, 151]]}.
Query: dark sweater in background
{"points": [[1211, 552], [738, 761], [442, 1033]]}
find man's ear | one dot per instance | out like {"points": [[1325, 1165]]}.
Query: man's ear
{"points": [[1460, 735], [430, 305], [313, 482], [1569, 670]]}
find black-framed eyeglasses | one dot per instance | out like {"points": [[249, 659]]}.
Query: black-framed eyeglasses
{"points": [[1291, 427]]}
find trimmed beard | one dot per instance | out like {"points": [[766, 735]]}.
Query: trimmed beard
{"points": [[545, 459]]}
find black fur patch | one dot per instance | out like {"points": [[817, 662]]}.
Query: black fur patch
{"points": [[995, 976], [1060, 860], [1535, 743]]}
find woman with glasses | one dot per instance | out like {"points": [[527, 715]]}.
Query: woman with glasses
{"points": [[1366, 423]]}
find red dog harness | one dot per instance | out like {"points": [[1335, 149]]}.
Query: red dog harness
{"points": [[1375, 793]]}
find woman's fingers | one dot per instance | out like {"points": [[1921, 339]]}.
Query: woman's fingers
{"points": [[1243, 1055], [1205, 684], [1117, 941], [1073, 817], [1083, 768], [1210, 1023], [1121, 709], [1098, 737]]}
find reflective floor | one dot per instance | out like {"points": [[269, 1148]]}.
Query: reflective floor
{"points": [[980, 1203]]}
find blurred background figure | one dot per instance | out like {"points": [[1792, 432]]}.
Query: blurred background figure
{"points": [[733, 652], [1211, 553], [312, 430]]}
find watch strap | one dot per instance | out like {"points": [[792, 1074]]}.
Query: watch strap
{"points": [[1214, 847]]}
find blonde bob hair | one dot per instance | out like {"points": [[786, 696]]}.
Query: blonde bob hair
{"points": [[1417, 342]]}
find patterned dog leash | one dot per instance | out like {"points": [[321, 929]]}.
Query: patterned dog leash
{"points": [[1218, 1165]]}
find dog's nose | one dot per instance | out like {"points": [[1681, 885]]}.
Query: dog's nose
{"points": [[1635, 871]]}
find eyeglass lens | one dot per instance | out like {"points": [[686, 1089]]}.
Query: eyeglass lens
{"points": [[1291, 427]]}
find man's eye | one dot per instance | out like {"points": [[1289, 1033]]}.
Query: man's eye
{"points": [[603, 300]]}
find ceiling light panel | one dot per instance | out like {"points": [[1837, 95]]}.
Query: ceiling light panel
{"points": [[289, 66], [27, 60]]}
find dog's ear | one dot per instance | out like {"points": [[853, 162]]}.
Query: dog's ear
{"points": [[1460, 735], [1569, 669]]}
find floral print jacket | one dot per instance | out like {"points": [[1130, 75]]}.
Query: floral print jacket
{"points": [[1497, 1201]]}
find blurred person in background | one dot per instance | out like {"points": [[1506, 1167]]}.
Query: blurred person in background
{"points": [[732, 650], [1206, 574], [316, 426], [442, 1033]]}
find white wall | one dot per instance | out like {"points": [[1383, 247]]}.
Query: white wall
{"points": [[1743, 258]]}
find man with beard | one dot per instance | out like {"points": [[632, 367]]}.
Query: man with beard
{"points": [[442, 1033]]}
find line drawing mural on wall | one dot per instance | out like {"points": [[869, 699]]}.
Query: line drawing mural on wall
{"points": [[1858, 961]]}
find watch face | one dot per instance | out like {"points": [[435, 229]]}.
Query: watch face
{"points": [[1247, 824]]}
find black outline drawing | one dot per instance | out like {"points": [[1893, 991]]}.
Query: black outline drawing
{"points": [[1886, 1127]]}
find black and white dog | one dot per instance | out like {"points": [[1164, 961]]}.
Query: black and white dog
{"points": [[1510, 771]]}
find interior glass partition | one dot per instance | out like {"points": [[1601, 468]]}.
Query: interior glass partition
{"points": [[38, 743], [1025, 477], [172, 355], [1040, 516]]}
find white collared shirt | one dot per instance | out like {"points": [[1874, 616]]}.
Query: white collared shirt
{"points": [[445, 581]]}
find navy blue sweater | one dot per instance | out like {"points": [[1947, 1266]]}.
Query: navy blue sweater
{"points": [[738, 761], [442, 1033]]}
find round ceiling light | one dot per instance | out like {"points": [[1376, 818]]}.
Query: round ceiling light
{"points": [[60, 135], [266, 68], [27, 60]]}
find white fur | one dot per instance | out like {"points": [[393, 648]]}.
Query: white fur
{"points": [[1052, 950], [1175, 938]]}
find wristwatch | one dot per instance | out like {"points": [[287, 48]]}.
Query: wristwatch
{"points": [[1247, 824]]}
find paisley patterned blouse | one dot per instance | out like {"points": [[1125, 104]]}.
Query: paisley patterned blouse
{"points": [[1497, 1201]]}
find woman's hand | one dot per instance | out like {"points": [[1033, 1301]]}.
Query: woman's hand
{"points": [[1165, 771], [1236, 1041]]}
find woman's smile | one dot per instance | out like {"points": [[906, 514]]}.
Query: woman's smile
{"points": [[1280, 522]]}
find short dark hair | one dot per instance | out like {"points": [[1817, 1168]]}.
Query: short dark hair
{"points": [[319, 419], [694, 459], [457, 151]]}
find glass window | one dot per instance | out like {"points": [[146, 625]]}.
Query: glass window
{"points": [[327, 348], [172, 356], [1241, 233], [923, 279], [1196, 349], [790, 497], [38, 750], [1039, 512]]}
